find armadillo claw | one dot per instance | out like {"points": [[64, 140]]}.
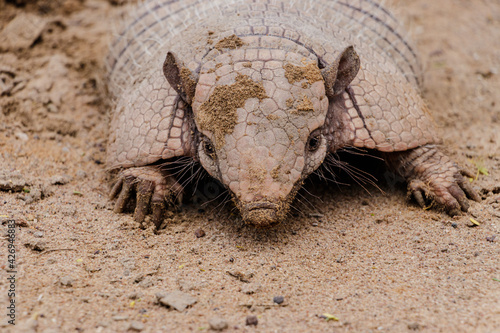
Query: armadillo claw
{"points": [[155, 191], [452, 195], [433, 177], [452, 199]]}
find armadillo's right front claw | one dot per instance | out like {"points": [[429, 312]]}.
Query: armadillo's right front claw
{"points": [[158, 207], [145, 190], [124, 188], [155, 190]]}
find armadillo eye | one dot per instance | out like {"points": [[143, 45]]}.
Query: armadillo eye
{"points": [[208, 148], [314, 142]]}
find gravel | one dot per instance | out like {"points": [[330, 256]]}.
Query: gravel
{"points": [[251, 321], [278, 299], [176, 300], [217, 323]]}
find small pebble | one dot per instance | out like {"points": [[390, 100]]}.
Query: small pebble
{"points": [[52, 108], [21, 136], [454, 225], [36, 245], [66, 281], [146, 283], [176, 299], [243, 277], [135, 295], [59, 180], [491, 238], [22, 223], [199, 233], [35, 194], [136, 326], [251, 288], [278, 299], [38, 234], [120, 317], [251, 320], [217, 323], [414, 326], [81, 174]]}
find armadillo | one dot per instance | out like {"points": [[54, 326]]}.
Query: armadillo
{"points": [[259, 93]]}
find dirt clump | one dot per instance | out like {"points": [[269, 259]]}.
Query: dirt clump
{"points": [[305, 104], [232, 42], [295, 73], [218, 113], [189, 83]]}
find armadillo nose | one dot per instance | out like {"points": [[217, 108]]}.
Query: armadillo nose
{"points": [[261, 205], [261, 214]]}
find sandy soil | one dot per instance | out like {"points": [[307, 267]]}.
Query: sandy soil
{"points": [[375, 261]]}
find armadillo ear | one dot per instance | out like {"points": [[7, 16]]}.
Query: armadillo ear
{"points": [[339, 74], [179, 77]]}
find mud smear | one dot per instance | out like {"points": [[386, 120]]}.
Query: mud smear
{"points": [[188, 82], [232, 42], [310, 72], [218, 113], [305, 104]]}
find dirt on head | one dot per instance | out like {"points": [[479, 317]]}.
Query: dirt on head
{"points": [[188, 81], [309, 72], [305, 104], [232, 42], [218, 113]]}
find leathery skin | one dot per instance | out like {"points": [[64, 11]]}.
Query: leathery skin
{"points": [[259, 92]]}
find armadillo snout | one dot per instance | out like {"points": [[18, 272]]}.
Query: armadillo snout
{"points": [[263, 214]]}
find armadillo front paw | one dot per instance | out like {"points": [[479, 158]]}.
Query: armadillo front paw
{"points": [[447, 188], [155, 191]]}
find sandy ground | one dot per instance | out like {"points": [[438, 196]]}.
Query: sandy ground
{"points": [[373, 260]]}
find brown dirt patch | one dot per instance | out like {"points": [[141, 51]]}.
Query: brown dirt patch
{"points": [[218, 113], [309, 72], [305, 104], [188, 82], [231, 42]]}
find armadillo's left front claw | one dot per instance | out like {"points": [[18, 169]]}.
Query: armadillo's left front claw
{"points": [[449, 196], [465, 185], [434, 176]]}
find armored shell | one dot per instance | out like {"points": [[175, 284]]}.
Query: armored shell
{"points": [[260, 91], [384, 110]]}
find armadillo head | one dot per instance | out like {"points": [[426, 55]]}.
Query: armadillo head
{"points": [[260, 124]]}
